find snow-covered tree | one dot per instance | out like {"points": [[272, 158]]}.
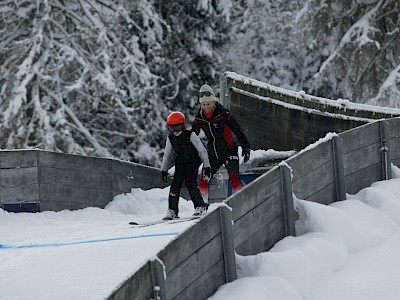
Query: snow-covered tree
{"points": [[196, 30], [98, 77], [74, 79], [330, 48], [264, 41], [353, 50]]}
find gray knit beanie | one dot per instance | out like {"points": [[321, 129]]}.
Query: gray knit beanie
{"points": [[207, 94]]}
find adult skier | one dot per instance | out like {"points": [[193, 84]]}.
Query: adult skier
{"points": [[219, 125]]}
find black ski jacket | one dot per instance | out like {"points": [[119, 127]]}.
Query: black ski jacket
{"points": [[219, 129], [186, 148]]}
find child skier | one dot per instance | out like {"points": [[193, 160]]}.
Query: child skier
{"points": [[189, 154]]}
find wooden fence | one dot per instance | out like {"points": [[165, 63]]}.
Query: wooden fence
{"points": [[202, 258]]}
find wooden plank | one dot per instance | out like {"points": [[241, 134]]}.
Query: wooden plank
{"points": [[190, 241], [394, 141], [310, 183], [395, 148], [319, 156], [255, 193], [250, 223], [205, 286], [394, 125], [363, 178], [262, 239], [137, 287], [195, 268], [360, 137], [326, 195], [361, 158]]}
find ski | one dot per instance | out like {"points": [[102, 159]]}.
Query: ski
{"points": [[178, 220]]}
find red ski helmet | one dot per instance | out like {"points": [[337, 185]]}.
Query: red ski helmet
{"points": [[176, 118], [176, 122]]}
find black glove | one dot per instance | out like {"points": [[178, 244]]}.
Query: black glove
{"points": [[207, 174], [164, 175], [246, 154]]}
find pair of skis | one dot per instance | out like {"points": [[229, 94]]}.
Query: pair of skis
{"points": [[173, 221]]}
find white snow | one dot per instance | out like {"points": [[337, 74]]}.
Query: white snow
{"points": [[82, 254], [348, 250]]}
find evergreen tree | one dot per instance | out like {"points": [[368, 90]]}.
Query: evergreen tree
{"points": [[74, 79], [353, 50], [196, 30], [263, 42]]}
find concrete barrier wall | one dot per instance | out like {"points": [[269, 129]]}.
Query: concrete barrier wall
{"points": [[19, 179], [394, 145], [279, 119], [60, 181], [196, 263], [64, 181]]}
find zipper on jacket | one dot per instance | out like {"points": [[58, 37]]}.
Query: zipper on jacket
{"points": [[209, 126], [215, 149]]}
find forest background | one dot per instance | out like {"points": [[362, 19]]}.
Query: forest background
{"points": [[99, 77]]}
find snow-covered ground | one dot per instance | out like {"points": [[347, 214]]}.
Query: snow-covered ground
{"points": [[348, 250], [81, 254]]}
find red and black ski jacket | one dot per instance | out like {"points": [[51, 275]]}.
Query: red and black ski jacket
{"points": [[219, 129]]}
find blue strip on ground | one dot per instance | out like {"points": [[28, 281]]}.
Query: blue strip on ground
{"points": [[5, 246]]}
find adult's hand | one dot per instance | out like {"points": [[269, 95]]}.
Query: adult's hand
{"points": [[246, 154]]}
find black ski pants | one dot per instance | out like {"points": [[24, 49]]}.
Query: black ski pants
{"points": [[185, 172]]}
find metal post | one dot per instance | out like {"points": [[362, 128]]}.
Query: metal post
{"points": [[287, 200], [227, 244], [157, 274], [385, 153], [338, 168]]}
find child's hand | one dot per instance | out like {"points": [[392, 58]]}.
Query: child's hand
{"points": [[207, 174], [164, 175]]}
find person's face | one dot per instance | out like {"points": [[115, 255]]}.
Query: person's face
{"points": [[208, 106], [176, 129]]}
